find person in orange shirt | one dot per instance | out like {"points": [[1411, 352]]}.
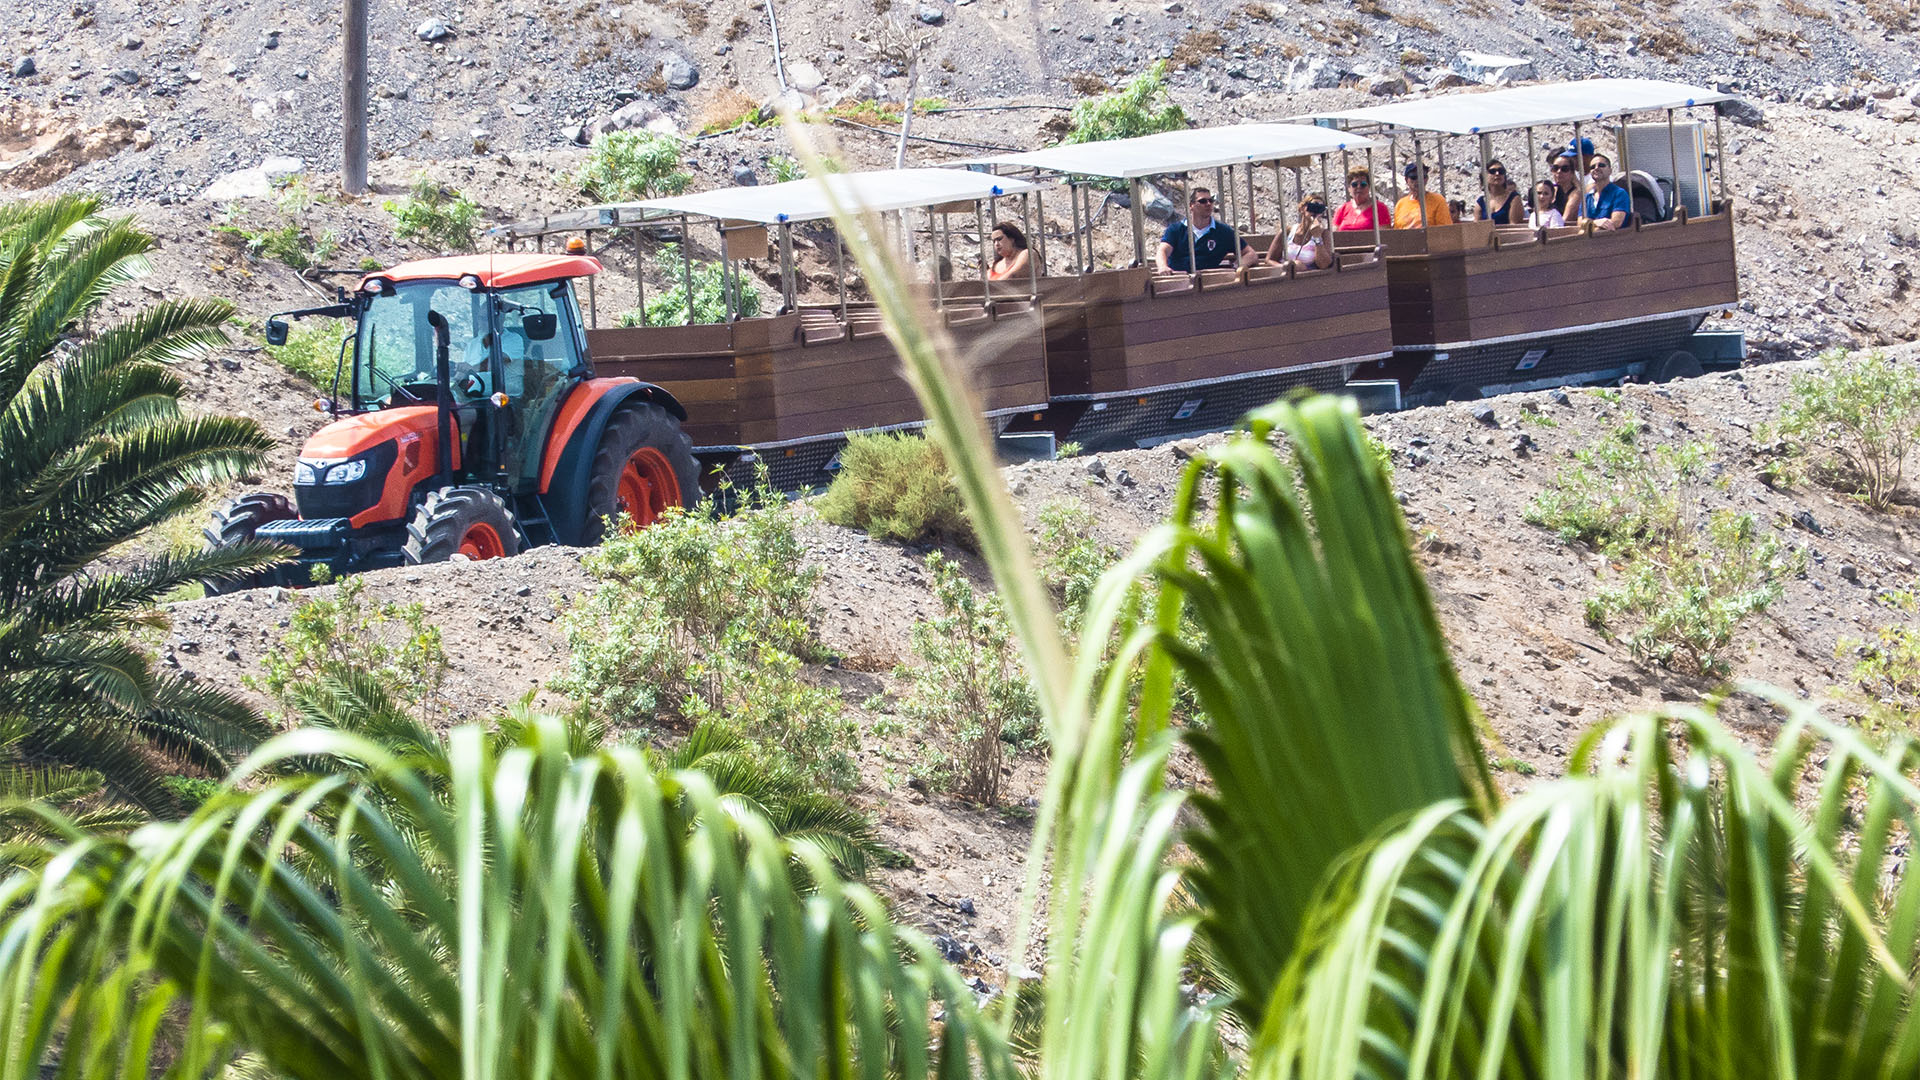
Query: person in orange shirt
{"points": [[1406, 213]]}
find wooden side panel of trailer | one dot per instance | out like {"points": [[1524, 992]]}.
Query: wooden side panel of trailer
{"points": [[790, 377], [1512, 285]]}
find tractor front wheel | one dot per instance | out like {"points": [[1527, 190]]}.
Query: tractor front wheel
{"points": [[469, 521], [235, 522], [645, 464]]}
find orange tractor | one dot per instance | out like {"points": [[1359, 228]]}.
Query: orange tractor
{"points": [[469, 422]]}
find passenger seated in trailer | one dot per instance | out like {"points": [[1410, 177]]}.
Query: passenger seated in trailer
{"points": [[1009, 252], [1566, 196], [1546, 211], [1608, 204], [1361, 210], [1406, 213], [1214, 242], [1501, 195], [1307, 244], [1458, 208]]}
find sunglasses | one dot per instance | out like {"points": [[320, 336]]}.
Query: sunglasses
{"points": [[1202, 202], [1359, 183], [1598, 165], [1496, 172], [1563, 168]]}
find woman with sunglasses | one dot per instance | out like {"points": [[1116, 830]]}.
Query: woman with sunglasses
{"points": [[1361, 211], [1307, 245], [1502, 195], [1545, 214]]}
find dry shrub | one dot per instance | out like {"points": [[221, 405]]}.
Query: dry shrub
{"points": [[1371, 7], [1290, 51], [1087, 84], [693, 13], [723, 110], [1412, 58], [1415, 22], [1593, 29], [1804, 11], [736, 29], [1198, 47], [1258, 13], [1894, 14], [1668, 43]]}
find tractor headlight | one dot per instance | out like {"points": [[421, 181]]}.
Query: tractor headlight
{"points": [[303, 473], [346, 472]]}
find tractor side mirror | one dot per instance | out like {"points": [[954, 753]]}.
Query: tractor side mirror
{"points": [[539, 327], [276, 332]]}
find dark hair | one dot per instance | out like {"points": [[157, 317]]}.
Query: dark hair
{"points": [[1591, 158], [1014, 236], [1195, 193]]}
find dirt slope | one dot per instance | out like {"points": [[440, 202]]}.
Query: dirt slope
{"points": [[1510, 595]]}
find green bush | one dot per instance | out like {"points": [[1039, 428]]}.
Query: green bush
{"points": [[1887, 668], [625, 165], [895, 487], [1615, 492], [1684, 586], [969, 695], [312, 352], [1856, 421], [785, 167], [1142, 107], [345, 636], [1686, 595], [289, 244], [699, 618], [434, 216], [668, 305]]}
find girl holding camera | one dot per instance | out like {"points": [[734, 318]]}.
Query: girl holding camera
{"points": [[1307, 244]]}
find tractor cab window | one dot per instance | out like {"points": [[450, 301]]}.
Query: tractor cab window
{"points": [[540, 352], [396, 359]]}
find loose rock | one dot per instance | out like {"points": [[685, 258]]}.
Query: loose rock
{"points": [[679, 73], [433, 30]]}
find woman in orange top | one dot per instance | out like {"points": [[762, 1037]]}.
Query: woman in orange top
{"points": [[1009, 251]]}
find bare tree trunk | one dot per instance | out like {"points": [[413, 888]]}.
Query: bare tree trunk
{"points": [[353, 99]]}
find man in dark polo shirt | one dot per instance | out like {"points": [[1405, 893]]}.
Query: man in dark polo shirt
{"points": [[1214, 243]]}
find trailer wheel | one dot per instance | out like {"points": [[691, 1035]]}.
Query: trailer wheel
{"points": [[1465, 391], [645, 464], [1679, 364], [469, 521], [235, 522]]}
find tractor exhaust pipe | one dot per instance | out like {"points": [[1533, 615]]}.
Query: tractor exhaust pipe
{"points": [[443, 397]]}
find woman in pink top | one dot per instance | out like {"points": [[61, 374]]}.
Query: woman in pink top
{"points": [[1361, 211]]}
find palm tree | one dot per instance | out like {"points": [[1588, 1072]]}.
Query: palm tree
{"points": [[94, 451], [1381, 910]]}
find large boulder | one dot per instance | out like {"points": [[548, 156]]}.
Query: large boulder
{"points": [[1313, 73], [254, 183], [1490, 69], [679, 73], [1742, 112], [804, 77]]}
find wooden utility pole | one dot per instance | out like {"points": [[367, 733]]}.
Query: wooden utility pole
{"points": [[353, 104]]}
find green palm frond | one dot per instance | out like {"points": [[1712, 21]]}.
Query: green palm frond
{"points": [[610, 921]]}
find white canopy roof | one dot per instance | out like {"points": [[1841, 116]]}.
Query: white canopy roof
{"points": [[807, 200], [1528, 106], [1179, 151]]}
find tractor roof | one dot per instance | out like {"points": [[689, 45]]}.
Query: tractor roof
{"points": [[494, 271]]}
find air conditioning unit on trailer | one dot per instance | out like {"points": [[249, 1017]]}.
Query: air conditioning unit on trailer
{"points": [[1650, 149]]}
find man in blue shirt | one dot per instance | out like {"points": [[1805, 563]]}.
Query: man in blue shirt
{"points": [[1214, 243], [1608, 204]]}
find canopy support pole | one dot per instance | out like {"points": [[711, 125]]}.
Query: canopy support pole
{"points": [[1086, 217], [593, 299], [940, 251], [1033, 265], [1440, 166], [1223, 195], [1579, 178], [639, 278], [1038, 237], [1533, 174], [1673, 156], [1139, 222], [1719, 159], [1252, 201], [686, 265], [1280, 200], [1193, 260], [1393, 171], [1326, 189], [788, 287], [1625, 172], [1486, 186], [1073, 197], [840, 272], [1419, 168]]}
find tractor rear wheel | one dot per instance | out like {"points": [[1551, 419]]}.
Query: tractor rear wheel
{"points": [[645, 464], [469, 521], [235, 522], [1679, 364]]}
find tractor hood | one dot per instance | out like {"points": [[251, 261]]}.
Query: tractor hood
{"points": [[352, 435]]}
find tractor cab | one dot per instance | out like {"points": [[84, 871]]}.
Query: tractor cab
{"points": [[468, 421]]}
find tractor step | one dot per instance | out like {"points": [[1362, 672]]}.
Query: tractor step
{"points": [[307, 533]]}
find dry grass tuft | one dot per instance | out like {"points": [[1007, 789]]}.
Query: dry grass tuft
{"points": [[1197, 48]]}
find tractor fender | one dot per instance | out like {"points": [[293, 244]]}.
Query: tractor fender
{"points": [[567, 476]]}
